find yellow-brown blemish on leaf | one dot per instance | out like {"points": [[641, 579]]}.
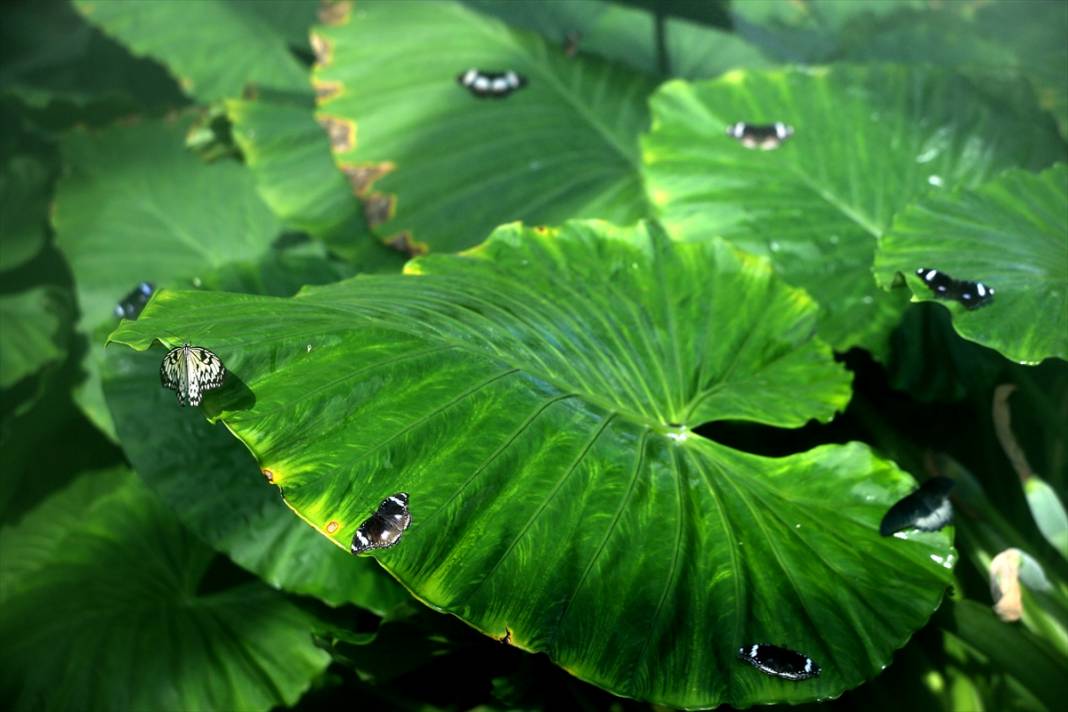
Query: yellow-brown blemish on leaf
{"points": [[507, 637], [325, 91], [377, 208], [186, 84], [334, 12], [332, 526], [250, 92], [362, 175], [268, 475], [541, 229], [403, 242], [341, 132], [323, 49]]}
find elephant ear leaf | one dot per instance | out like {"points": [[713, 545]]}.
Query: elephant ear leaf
{"points": [[535, 400]]}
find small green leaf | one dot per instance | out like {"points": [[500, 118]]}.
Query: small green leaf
{"points": [[868, 141], [215, 49], [536, 398], [1011, 234], [1049, 514], [449, 167], [117, 590], [34, 332]]}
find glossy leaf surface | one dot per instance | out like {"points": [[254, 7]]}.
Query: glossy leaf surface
{"points": [[868, 141], [115, 582], [535, 397], [450, 166], [1011, 234]]}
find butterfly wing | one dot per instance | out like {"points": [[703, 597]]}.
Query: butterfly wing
{"points": [[205, 372], [171, 371], [383, 528]]}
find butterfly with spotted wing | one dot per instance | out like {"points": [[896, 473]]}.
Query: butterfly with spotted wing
{"points": [[191, 370]]}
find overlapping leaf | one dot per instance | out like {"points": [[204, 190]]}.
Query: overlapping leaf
{"points": [[445, 167], [35, 324], [289, 154], [215, 49], [868, 141], [536, 398], [1011, 234], [107, 593]]}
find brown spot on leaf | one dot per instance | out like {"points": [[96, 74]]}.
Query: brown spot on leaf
{"points": [[332, 526], [403, 242], [325, 91], [324, 51], [269, 475], [341, 132], [507, 637], [250, 92], [377, 208], [334, 12], [571, 43], [362, 175]]}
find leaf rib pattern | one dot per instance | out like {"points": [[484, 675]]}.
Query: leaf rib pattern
{"points": [[551, 493]]}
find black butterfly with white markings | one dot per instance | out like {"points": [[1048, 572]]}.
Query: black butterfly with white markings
{"points": [[494, 85], [971, 294], [191, 370], [130, 306], [383, 529], [927, 509], [764, 137], [777, 661]]}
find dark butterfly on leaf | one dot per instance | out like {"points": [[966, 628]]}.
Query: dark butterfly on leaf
{"points": [[495, 85], [779, 662], [927, 509], [131, 305], [383, 529], [191, 370], [971, 294], [764, 137]]}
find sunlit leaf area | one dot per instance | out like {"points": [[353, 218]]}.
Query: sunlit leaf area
{"points": [[533, 355]]}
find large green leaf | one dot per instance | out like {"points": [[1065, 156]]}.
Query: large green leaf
{"points": [[25, 182], [1012, 234], [215, 487], [456, 166], [214, 48], [629, 35], [536, 397], [34, 332], [868, 141], [135, 205], [107, 614]]}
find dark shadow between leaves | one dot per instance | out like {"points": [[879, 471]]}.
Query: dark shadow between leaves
{"points": [[232, 396]]}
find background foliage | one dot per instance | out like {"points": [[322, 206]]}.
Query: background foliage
{"points": [[659, 418]]}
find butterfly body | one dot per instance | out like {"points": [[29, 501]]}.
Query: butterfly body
{"points": [[970, 294], [780, 662], [493, 85], [765, 137], [383, 529], [191, 370], [131, 305]]}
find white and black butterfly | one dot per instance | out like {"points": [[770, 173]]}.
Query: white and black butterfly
{"points": [[971, 294], [131, 305], [927, 509], [191, 370], [495, 85], [383, 529], [764, 137], [779, 662]]}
